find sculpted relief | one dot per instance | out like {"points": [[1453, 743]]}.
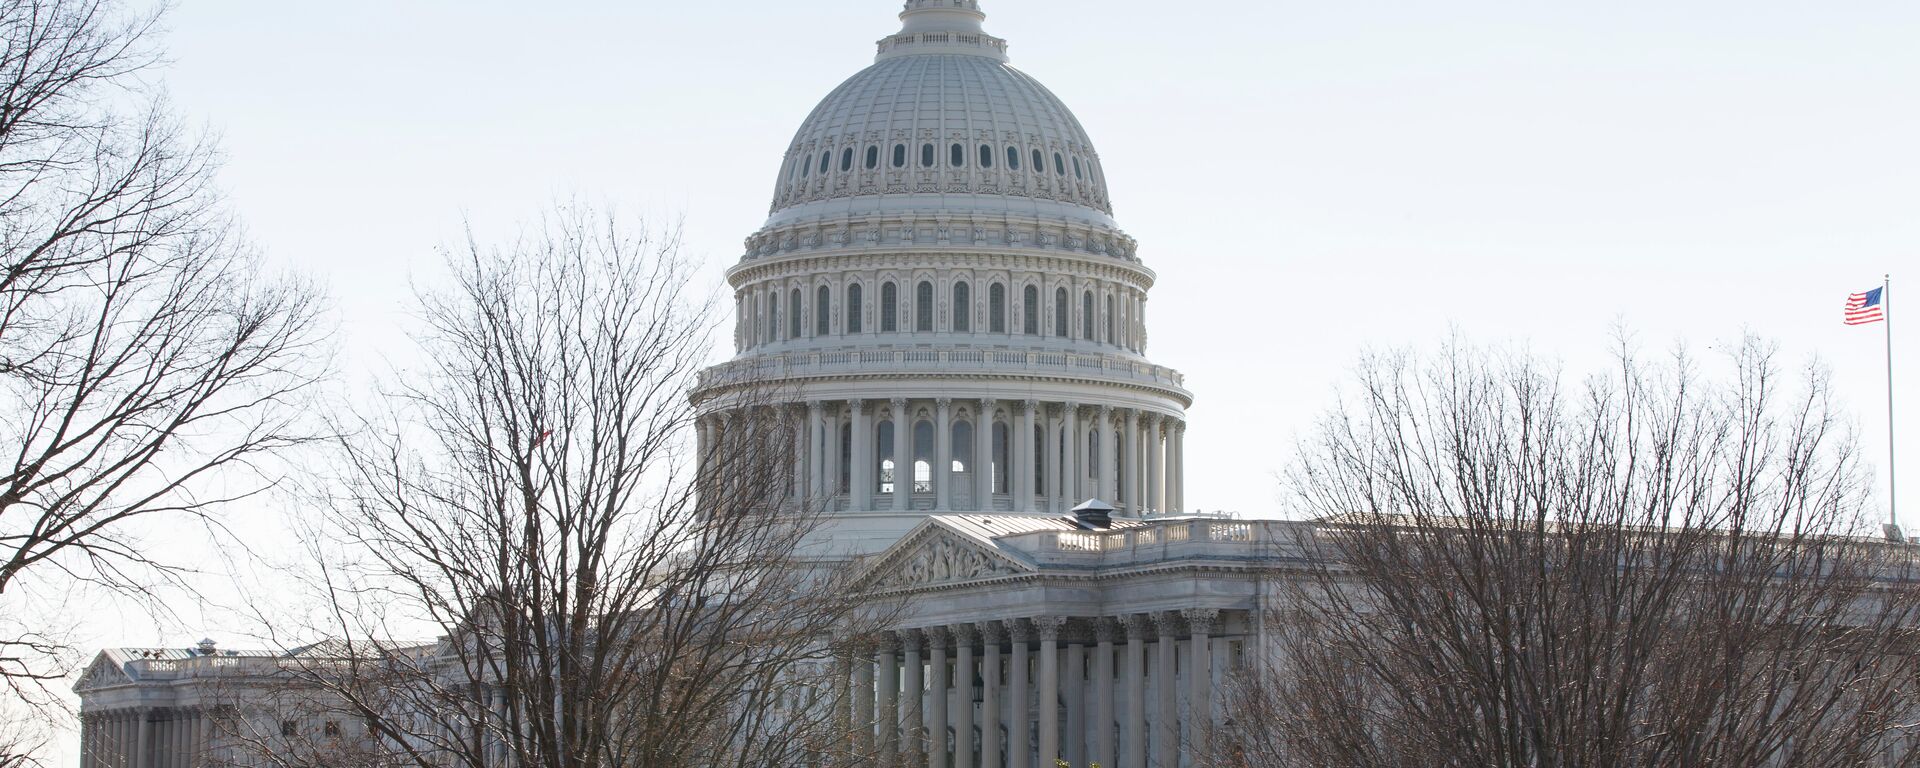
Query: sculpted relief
{"points": [[942, 559]]}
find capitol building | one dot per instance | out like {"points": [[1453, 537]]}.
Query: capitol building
{"points": [[947, 302]]}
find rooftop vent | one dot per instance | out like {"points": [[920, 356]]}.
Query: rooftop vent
{"points": [[207, 646], [1094, 515]]}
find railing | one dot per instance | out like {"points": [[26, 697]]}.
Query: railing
{"points": [[1192, 539], [1075, 364]]}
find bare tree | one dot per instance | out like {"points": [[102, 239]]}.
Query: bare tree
{"points": [[605, 589], [1653, 569], [144, 360]]}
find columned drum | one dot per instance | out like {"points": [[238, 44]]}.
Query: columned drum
{"points": [[942, 291]]}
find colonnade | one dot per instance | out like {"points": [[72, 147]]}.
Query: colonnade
{"points": [[145, 737], [1024, 693], [966, 455]]}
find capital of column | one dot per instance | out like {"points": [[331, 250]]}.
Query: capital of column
{"points": [[909, 639], [1200, 621], [943, 403], [1136, 626], [1106, 415], [1166, 624], [964, 635], [899, 405], [936, 637], [884, 642], [1020, 630], [991, 632], [987, 404], [1048, 627], [856, 405], [1106, 629]]}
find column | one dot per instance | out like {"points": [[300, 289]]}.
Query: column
{"points": [[939, 687], [1019, 749], [1166, 714], [86, 741], [833, 458], [964, 637], [1076, 685], [1136, 724], [886, 715], [983, 456], [902, 456], [1053, 492], [1178, 502], [1048, 700], [1135, 488], [844, 692], [1109, 477], [143, 735], [1029, 417], [800, 435], [1200, 677], [860, 475], [817, 448], [913, 701], [991, 636], [1103, 746], [1072, 472], [942, 454], [1156, 467], [863, 693], [204, 723]]}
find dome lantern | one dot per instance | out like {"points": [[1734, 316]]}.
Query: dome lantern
{"points": [[942, 26]]}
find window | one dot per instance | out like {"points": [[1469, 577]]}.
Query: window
{"points": [[823, 311], [1013, 158], [923, 457], [986, 156], [826, 160], [889, 308], [1109, 320], [958, 156], [1076, 168], [1060, 313], [962, 448], [926, 155], [1059, 165], [1039, 165], [846, 160], [773, 317], [1032, 311], [873, 158], [962, 308], [1039, 456], [899, 155], [805, 167], [1086, 316], [885, 440], [853, 308], [1002, 448], [923, 307], [997, 308], [793, 314]]}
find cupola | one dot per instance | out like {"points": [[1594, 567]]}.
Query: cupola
{"points": [[942, 26]]}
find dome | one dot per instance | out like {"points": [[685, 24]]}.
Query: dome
{"points": [[941, 121]]}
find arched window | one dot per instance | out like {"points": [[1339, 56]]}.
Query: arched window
{"points": [[1060, 313], [958, 156], [826, 160], [926, 155], [1032, 313], [846, 159], [899, 155], [1039, 165], [805, 167], [923, 307], [773, 317], [1086, 316], [793, 314], [884, 445], [1013, 158], [1002, 448], [1076, 168], [1039, 456], [823, 311], [1110, 320], [853, 308], [873, 157], [997, 308], [962, 448], [962, 308], [923, 457], [1059, 165], [986, 156], [889, 308], [846, 459]]}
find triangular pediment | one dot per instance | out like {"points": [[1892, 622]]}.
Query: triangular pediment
{"points": [[932, 555], [104, 672]]}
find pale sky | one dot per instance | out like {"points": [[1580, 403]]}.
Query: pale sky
{"points": [[1309, 179]]}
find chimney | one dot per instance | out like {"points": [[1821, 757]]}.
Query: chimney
{"points": [[207, 647], [1095, 515]]}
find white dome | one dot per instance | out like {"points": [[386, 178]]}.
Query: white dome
{"points": [[941, 121]]}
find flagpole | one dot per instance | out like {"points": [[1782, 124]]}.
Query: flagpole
{"points": [[1893, 469]]}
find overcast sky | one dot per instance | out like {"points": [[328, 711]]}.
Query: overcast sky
{"points": [[1309, 179]]}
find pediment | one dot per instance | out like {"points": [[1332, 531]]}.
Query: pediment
{"points": [[934, 555], [103, 673]]}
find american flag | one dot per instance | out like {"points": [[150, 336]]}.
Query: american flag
{"points": [[1864, 308]]}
